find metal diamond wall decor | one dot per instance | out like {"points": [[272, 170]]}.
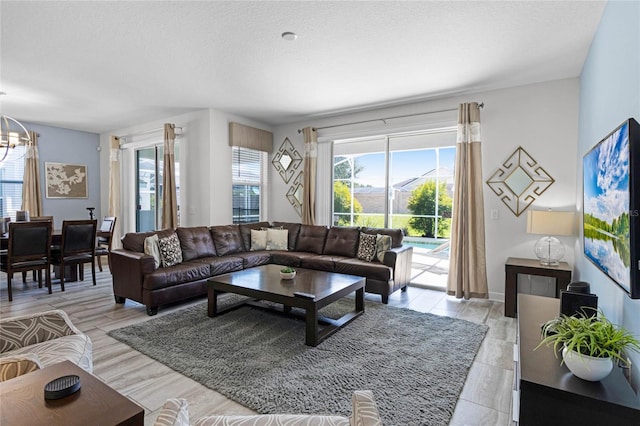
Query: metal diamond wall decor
{"points": [[519, 181], [286, 160], [294, 194]]}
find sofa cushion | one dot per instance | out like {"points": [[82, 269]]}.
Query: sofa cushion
{"points": [[245, 232], [395, 234], [322, 262], [342, 241], [222, 265], [195, 242], [367, 247], [258, 240], [170, 251], [362, 268], [254, 258], [134, 241], [289, 258], [152, 248], [176, 274], [294, 230], [227, 239], [311, 238], [383, 244], [277, 239]]}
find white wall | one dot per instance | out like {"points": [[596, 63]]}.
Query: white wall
{"points": [[542, 118], [205, 166]]}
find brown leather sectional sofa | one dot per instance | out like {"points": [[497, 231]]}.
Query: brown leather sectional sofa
{"points": [[215, 250]]}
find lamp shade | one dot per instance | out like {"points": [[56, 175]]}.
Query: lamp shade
{"points": [[547, 222]]}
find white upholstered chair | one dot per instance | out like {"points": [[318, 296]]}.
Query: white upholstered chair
{"points": [[175, 412], [31, 342]]}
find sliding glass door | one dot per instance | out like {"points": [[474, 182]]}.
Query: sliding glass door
{"points": [[401, 181]]}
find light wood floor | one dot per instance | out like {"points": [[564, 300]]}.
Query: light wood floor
{"points": [[484, 400]]}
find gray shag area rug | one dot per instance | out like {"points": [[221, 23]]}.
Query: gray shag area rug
{"points": [[415, 363]]}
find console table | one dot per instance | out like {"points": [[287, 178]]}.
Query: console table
{"points": [[546, 392], [22, 400], [515, 266]]}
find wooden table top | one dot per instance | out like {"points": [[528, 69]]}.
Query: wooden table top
{"points": [[22, 401], [266, 278]]}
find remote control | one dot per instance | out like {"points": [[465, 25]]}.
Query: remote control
{"points": [[61, 387], [304, 295]]}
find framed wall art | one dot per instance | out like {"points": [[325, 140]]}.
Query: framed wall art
{"points": [[66, 180]]}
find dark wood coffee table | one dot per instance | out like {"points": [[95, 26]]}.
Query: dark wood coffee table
{"points": [[22, 401], [309, 290]]}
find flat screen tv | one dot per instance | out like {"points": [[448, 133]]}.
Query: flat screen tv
{"points": [[611, 209]]}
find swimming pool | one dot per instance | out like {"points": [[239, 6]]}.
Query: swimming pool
{"points": [[428, 245]]}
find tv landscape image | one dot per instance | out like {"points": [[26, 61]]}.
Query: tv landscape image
{"points": [[606, 222]]}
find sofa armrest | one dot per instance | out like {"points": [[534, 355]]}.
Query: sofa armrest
{"points": [[24, 330], [365, 410], [174, 412], [17, 365], [128, 269], [399, 259]]}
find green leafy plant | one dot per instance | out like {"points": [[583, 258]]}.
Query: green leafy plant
{"points": [[287, 270], [586, 335]]}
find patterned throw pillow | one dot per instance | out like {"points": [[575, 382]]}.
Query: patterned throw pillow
{"points": [[170, 251], [277, 239], [383, 244], [367, 247], [258, 240], [152, 248]]}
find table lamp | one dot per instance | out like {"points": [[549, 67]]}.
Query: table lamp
{"points": [[550, 249]]}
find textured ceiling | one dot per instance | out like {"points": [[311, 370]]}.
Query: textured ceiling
{"points": [[100, 66]]}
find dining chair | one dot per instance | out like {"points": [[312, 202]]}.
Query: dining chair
{"points": [[36, 219], [28, 249], [103, 241], [78, 246]]}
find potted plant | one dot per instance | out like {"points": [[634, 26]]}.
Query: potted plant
{"points": [[590, 344], [287, 273]]}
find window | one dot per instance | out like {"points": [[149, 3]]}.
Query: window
{"points": [[11, 179], [149, 171], [401, 181], [249, 180]]}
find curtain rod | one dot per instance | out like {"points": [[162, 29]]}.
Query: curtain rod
{"points": [[146, 132], [384, 120]]}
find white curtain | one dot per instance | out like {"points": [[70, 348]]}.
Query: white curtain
{"points": [[114, 189], [467, 263], [324, 184], [309, 184], [31, 192], [169, 199]]}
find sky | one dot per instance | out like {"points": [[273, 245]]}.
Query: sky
{"points": [[606, 176], [404, 165]]}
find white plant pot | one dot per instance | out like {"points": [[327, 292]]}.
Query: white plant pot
{"points": [[288, 275], [587, 367]]}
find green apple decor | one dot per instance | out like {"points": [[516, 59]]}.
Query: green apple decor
{"points": [[590, 345]]}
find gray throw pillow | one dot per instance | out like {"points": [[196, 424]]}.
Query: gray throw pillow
{"points": [[383, 244]]}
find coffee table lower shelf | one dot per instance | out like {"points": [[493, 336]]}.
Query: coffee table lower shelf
{"points": [[273, 291]]}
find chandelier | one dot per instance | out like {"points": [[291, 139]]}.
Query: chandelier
{"points": [[12, 134]]}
